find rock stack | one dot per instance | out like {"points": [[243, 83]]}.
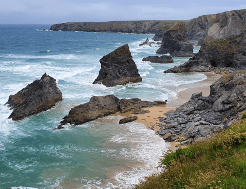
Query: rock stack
{"points": [[36, 97], [118, 68]]}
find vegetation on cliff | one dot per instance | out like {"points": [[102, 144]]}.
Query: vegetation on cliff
{"points": [[218, 163]]}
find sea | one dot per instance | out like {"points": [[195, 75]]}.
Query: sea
{"points": [[97, 154]]}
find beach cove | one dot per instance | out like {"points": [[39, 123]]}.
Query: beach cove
{"points": [[92, 154]]}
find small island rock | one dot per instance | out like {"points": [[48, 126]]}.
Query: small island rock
{"points": [[36, 97], [118, 68], [159, 59], [175, 42]]}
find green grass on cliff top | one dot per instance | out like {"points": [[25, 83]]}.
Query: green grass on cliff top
{"points": [[218, 163]]}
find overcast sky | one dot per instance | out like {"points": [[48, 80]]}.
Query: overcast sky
{"points": [[59, 11]]}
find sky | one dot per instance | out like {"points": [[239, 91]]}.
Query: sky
{"points": [[60, 11]]}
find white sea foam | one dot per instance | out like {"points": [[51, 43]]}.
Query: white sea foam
{"points": [[147, 149]]}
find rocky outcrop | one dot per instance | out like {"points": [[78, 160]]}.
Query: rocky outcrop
{"points": [[147, 42], [100, 106], [36, 97], [175, 42], [144, 26], [128, 119], [201, 116], [118, 68], [217, 55], [159, 59]]}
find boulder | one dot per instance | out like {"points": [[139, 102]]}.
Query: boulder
{"points": [[100, 106], [217, 55], [175, 42], [118, 68], [36, 97], [159, 59], [128, 119]]}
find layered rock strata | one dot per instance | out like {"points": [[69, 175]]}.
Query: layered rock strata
{"points": [[221, 55], [36, 97], [159, 59], [100, 106], [118, 68], [217, 26], [201, 116]]}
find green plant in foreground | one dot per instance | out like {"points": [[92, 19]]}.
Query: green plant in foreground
{"points": [[218, 163]]}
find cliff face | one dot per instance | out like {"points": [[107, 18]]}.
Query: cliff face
{"points": [[175, 42], [216, 26], [149, 26], [215, 55]]}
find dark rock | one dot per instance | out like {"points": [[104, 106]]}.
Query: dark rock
{"points": [[36, 97], [118, 68], [175, 42], [140, 111], [100, 106], [202, 116], [97, 107], [159, 59], [146, 42], [223, 55], [128, 119]]}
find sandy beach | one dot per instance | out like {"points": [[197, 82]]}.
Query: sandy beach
{"points": [[151, 119]]}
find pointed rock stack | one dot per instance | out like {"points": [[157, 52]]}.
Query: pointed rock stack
{"points": [[118, 68], [36, 97]]}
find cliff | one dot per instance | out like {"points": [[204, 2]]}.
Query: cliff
{"points": [[216, 26], [175, 42], [226, 54], [145, 27]]}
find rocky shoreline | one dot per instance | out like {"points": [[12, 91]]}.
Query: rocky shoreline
{"points": [[222, 51]]}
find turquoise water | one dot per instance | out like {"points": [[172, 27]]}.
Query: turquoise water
{"points": [[98, 154]]}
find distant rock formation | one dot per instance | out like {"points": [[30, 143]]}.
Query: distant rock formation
{"points": [[100, 106], [147, 42], [36, 97], [159, 59], [175, 42], [201, 116], [118, 68], [217, 55], [144, 26], [198, 29]]}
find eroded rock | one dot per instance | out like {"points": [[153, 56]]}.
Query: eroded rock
{"points": [[100, 106], [223, 55], [118, 68], [36, 97], [202, 116]]}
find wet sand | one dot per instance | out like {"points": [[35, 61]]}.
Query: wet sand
{"points": [[151, 119]]}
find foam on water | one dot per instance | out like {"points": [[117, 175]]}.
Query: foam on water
{"points": [[50, 159], [147, 150]]}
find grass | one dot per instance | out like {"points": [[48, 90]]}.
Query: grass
{"points": [[218, 163]]}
